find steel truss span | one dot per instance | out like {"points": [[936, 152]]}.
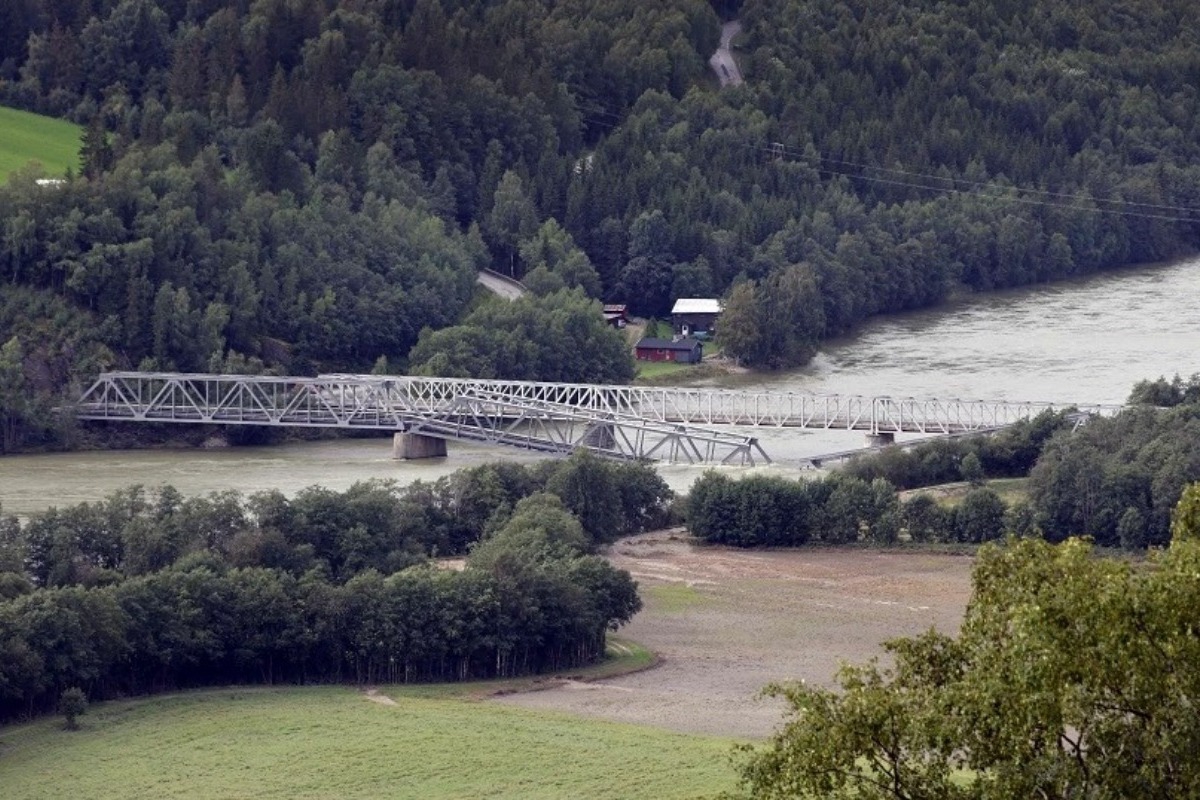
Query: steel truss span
{"points": [[616, 421], [494, 412]]}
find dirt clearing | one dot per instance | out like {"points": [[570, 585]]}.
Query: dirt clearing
{"points": [[726, 622], [375, 697]]}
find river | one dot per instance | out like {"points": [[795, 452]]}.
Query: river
{"points": [[1085, 341]]}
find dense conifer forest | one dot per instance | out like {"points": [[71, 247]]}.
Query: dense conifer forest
{"points": [[305, 185]]}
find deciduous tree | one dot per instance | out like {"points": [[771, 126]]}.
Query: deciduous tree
{"points": [[73, 704], [1073, 676]]}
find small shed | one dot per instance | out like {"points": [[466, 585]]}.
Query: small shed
{"points": [[684, 351], [695, 316], [615, 315]]}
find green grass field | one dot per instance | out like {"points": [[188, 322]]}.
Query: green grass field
{"points": [[668, 372], [653, 370], [950, 495], [335, 742], [26, 137]]}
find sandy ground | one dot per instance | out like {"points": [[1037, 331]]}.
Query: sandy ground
{"points": [[726, 622]]}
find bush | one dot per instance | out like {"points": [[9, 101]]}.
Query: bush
{"points": [[73, 704], [980, 517]]}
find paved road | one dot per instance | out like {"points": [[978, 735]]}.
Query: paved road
{"points": [[496, 283], [722, 61]]}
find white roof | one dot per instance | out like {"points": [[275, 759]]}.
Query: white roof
{"points": [[696, 305]]}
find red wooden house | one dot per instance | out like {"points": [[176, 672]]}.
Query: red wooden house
{"points": [[685, 351]]}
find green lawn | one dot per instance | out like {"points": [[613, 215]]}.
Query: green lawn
{"points": [[669, 372], [334, 742], [651, 370], [950, 495], [26, 137]]}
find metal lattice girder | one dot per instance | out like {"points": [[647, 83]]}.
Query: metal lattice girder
{"points": [[405, 402], [496, 417], [238, 400], [486, 411], [695, 406]]}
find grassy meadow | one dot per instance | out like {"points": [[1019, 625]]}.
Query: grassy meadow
{"points": [[26, 137], [327, 742], [337, 742], [950, 495], [657, 370], [668, 373]]}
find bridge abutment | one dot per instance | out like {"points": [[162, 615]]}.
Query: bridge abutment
{"points": [[411, 446], [881, 439]]}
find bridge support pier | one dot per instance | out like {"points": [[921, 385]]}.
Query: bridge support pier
{"points": [[600, 435], [880, 439], [409, 446]]}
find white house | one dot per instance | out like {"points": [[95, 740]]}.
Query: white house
{"points": [[695, 316]]}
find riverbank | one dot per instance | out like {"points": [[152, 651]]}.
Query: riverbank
{"points": [[669, 373], [1083, 341], [714, 364]]}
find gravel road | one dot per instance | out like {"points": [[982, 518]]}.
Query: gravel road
{"points": [[722, 61]]}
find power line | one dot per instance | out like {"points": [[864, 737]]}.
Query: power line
{"points": [[977, 189], [775, 150], [985, 184]]}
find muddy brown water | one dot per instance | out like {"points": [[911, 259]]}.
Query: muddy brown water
{"points": [[1081, 341]]}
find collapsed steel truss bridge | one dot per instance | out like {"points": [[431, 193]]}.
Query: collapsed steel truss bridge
{"points": [[629, 422]]}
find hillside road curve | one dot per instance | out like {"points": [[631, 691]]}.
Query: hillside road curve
{"points": [[722, 61], [500, 285]]}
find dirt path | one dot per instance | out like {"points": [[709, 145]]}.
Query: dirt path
{"points": [[727, 622], [375, 697]]}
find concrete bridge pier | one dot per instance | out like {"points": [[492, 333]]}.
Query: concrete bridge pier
{"points": [[409, 446], [880, 439], [601, 435]]}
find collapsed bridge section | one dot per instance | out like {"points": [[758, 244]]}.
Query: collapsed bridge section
{"points": [[493, 412]]}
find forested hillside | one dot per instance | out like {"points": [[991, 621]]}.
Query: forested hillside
{"points": [[307, 184]]}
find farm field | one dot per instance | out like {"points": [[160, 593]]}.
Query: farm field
{"points": [[726, 622], [337, 742], [26, 137], [723, 622]]}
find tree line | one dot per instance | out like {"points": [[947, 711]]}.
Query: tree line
{"points": [[764, 511], [147, 590], [530, 599], [1114, 480], [1008, 453], [372, 525], [304, 186]]}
